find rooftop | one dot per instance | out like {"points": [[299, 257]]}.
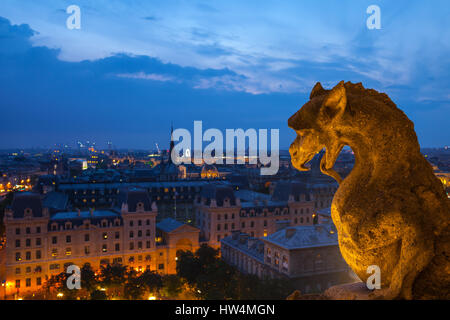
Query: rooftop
{"points": [[83, 215], [168, 225], [249, 245], [300, 237]]}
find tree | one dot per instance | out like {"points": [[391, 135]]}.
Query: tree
{"points": [[210, 277], [112, 275], [56, 287], [250, 287], [206, 255], [172, 285], [88, 279], [134, 288], [188, 266], [98, 295], [151, 280], [216, 281]]}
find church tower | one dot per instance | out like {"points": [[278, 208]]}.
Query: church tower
{"points": [[172, 144]]}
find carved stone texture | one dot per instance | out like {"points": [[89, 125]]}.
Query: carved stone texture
{"points": [[390, 211]]}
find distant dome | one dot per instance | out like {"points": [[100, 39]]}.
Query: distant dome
{"points": [[209, 171]]}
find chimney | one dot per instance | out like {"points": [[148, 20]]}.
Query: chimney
{"points": [[243, 238], [78, 212], [235, 234], [280, 225], [290, 232]]}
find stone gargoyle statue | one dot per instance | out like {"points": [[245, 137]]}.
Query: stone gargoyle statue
{"points": [[390, 211]]}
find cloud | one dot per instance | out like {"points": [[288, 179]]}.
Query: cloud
{"points": [[252, 49], [146, 76], [128, 99]]}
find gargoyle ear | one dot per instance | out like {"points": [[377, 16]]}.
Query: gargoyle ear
{"points": [[317, 90], [335, 102]]}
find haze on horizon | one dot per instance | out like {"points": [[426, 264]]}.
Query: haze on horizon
{"points": [[135, 67]]}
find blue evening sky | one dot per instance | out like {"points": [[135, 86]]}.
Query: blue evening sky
{"points": [[136, 66]]}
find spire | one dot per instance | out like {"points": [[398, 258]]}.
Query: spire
{"points": [[171, 143]]}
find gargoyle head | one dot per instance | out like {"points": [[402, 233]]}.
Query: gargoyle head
{"points": [[317, 125]]}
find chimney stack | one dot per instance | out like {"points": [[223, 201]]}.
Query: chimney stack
{"points": [[290, 232], [280, 225]]}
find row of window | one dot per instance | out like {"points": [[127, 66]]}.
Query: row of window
{"points": [[150, 190], [225, 216], [225, 226], [301, 211], [28, 230], [252, 213], [86, 237], [68, 250], [28, 255], [301, 220], [28, 242], [139, 222], [139, 233], [68, 225], [29, 270], [28, 282], [104, 248]]}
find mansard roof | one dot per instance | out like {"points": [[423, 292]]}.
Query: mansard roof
{"points": [[218, 193], [300, 237], [135, 196], [168, 225], [26, 200], [284, 189]]}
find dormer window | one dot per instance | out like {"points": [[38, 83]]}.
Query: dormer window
{"points": [[28, 213], [140, 206], [54, 227], [68, 225]]}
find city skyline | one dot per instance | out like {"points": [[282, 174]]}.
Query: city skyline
{"points": [[116, 78]]}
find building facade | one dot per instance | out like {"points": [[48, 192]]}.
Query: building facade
{"points": [[308, 256], [39, 245], [220, 210]]}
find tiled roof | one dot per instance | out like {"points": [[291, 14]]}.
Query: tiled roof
{"points": [[219, 193], [26, 200], [135, 196], [255, 249], [304, 236], [56, 200], [168, 225], [84, 215]]}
